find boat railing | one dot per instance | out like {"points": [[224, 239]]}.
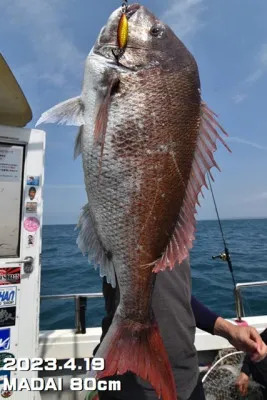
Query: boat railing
{"points": [[238, 297], [80, 301]]}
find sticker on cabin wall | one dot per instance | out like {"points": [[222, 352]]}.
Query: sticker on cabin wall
{"points": [[9, 276], [30, 240], [6, 393], [4, 375], [31, 207], [31, 224], [10, 163], [7, 316], [32, 193], [8, 296], [4, 339], [3, 356], [33, 180]]}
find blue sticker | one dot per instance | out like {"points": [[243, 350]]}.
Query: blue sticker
{"points": [[4, 339], [8, 296], [4, 374], [33, 180]]}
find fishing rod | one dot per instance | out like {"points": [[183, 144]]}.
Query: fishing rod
{"points": [[224, 256]]}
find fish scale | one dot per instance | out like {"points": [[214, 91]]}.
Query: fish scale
{"points": [[147, 141]]}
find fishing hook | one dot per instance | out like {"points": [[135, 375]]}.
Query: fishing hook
{"points": [[118, 53]]}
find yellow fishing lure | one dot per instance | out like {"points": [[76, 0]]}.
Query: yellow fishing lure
{"points": [[123, 31]]}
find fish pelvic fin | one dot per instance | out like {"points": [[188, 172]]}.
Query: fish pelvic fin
{"points": [[182, 239], [89, 242], [131, 346], [69, 112]]}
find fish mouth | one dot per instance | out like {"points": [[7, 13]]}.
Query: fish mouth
{"points": [[131, 9]]}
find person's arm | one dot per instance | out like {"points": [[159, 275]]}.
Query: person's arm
{"points": [[243, 338], [205, 318]]}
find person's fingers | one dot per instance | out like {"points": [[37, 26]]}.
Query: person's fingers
{"points": [[239, 385], [257, 357], [262, 348], [255, 336], [245, 389], [250, 346]]}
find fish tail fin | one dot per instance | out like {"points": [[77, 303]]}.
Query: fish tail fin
{"points": [[131, 346]]}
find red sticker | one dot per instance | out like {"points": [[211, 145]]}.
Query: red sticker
{"points": [[9, 276]]}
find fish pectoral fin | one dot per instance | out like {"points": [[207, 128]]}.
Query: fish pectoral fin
{"points": [[183, 235], [69, 112], [110, 84], [77, 146], [89, 242]]}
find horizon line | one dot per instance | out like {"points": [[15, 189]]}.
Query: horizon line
{"points": [[200, 220]]}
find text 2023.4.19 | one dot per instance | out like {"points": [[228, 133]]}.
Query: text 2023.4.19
{"points": [[51, 364]]}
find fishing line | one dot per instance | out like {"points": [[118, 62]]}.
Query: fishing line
{"points": [[226, 255], [124, 6]]}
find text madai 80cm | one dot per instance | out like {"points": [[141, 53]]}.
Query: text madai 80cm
{"points": [[56, 384]]}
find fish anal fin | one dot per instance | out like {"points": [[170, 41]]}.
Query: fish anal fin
{"points": [[181, 241], [88, 242], [69, 112]]}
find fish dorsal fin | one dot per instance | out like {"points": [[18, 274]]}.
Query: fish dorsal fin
{"points": [[183, 235], [69, 112], [78, 144], [89, 242]]}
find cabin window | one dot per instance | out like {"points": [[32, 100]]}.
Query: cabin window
{"points": [[11, 195]]}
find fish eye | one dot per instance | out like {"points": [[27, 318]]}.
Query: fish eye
{"points": [[156, 30]]}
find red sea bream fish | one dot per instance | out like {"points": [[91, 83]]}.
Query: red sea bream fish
{"points": [[147, 140]]}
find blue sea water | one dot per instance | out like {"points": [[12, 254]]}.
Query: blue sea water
{"points": [[65, 270]]}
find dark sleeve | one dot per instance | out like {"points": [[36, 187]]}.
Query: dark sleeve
{"points": [[264, 336], [246, 365], [110, 297], [205, 318]]}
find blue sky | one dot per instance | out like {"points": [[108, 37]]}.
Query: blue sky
{"points": [[45, 42]]}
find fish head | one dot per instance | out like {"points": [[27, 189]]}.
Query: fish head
{"points": [[151, 43]]}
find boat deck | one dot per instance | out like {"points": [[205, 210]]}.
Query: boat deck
{"points": [[64, 344]]}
